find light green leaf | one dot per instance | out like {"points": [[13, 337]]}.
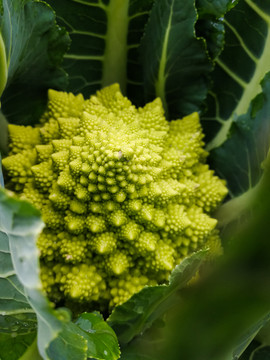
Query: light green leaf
{"points": [[32, 352], [175, 64], [22, 224], [240, 68], [105, 36], [90, 336], [58, 337], [18, 323], [142, 309], [31, 51], [101, 339]]}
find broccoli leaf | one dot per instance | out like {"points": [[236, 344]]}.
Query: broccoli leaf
{"points": [[217, 8], [249, 336], [18, 324], [240, 159], [238, 111], [140, 347], [58, 337], [14, 307], [105, 36], [259, 348], [21, 346], [142, 309], [210, 24], [179, 68], [212, 30], [239, 69], [100, 341], [31, 51]]}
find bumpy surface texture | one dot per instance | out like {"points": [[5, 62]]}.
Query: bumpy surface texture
{"points": [[124, 194]]}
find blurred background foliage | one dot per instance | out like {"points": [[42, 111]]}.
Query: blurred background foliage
{"points": [[219, 315]]}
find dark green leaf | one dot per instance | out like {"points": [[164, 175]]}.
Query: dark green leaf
{"points": [[134, 353], [127, 355], [210, 24], [142, 309], [212, 30], [139, 13], [249, 336], [239, 69], [249, 350], [262, 353], [216, 9], [13, 347], [31, 51], [3, 134], [141, 347], [105, 36], [239, 160], [175, 64]]}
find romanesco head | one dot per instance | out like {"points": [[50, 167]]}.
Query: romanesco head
{"points": [[124, 194]]}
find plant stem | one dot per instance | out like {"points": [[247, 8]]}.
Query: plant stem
{"points": [[115, 57], [160, 83]]}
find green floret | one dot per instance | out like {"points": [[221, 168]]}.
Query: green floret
{"points": [[124, 194]]}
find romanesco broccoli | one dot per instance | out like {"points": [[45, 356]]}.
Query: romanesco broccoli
{"points": [[124, 194]]}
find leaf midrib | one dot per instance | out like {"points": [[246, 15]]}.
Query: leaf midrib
{"points": [[115, 56], [162, 76]]}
